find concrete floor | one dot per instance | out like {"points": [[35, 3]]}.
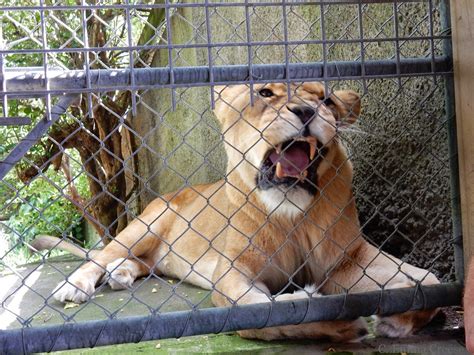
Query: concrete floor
{"points": [[31, 303]]}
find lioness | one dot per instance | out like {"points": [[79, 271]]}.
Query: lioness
{"points": [[284, 216]]}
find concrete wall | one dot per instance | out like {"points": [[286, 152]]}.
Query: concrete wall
{"points": [[180, 146], [402, 174]]}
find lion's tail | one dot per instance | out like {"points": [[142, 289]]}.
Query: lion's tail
{"points": [[47, 242]]}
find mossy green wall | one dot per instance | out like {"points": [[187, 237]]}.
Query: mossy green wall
{"points": [[180, 146]]}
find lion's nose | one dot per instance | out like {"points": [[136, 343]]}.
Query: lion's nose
{"points": [[305, 113]]}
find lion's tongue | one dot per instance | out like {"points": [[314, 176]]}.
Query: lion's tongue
{"points": [[293, 161]]}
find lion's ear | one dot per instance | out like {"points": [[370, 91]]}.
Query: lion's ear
{"points": [[346, 105], [225, 99]]}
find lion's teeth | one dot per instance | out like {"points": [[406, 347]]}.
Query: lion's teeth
{"points": [[312, 151], [279, 171], [312, 147], [303, 175], [278, 149]]}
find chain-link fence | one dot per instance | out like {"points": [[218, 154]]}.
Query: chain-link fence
{"points": [[292, 163]]}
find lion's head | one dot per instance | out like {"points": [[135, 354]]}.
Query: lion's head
{"points": [[280, 145]]}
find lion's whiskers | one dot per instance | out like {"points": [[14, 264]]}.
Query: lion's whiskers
{"points": [[353, 129]]}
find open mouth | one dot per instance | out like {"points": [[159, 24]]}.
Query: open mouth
{"points": [[291, 158], [293, 162]]}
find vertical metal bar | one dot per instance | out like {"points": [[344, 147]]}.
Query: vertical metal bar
{"points": [[249, 49], [45, 61], [453, 150], [432, 46], [397, 41], [362, 48], [169, 37], [2, 71], [130, 57], [86, 58], [287, 54], [209, 53], [325, 59]]}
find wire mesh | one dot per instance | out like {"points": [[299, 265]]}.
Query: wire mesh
{"points": [[121, 99]]}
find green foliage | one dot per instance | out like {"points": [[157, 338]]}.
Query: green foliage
{"points": [[40, 207]]}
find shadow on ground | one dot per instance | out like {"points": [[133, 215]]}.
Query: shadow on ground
{"points": [[26, 297]]}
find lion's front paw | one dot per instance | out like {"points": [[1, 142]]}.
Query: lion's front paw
{"points": [[74, 289], [402, 325], [119, 274], [308, 291], [120, 279]]}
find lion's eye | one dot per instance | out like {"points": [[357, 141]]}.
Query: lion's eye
{"points": [[329, 102], [265, 93]]}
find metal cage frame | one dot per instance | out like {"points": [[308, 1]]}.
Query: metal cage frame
{"points": [[47, 82]]}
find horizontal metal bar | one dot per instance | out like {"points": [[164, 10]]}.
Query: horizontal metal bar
{"points": [[220, 45], [200, 5], [31, 84], [213, 320], [35, 135], [43, 93], [14, 121]]}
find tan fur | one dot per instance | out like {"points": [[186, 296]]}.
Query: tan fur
{"points": [[47, 242], [245, 249]]}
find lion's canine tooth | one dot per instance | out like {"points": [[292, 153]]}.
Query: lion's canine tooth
{"points": [[312, 151], [312, 147], [279, 171]]}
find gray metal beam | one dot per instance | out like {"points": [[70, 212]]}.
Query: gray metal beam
{"points": [[57, 7], [35, 135], [214, 320], [32, 82]]}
